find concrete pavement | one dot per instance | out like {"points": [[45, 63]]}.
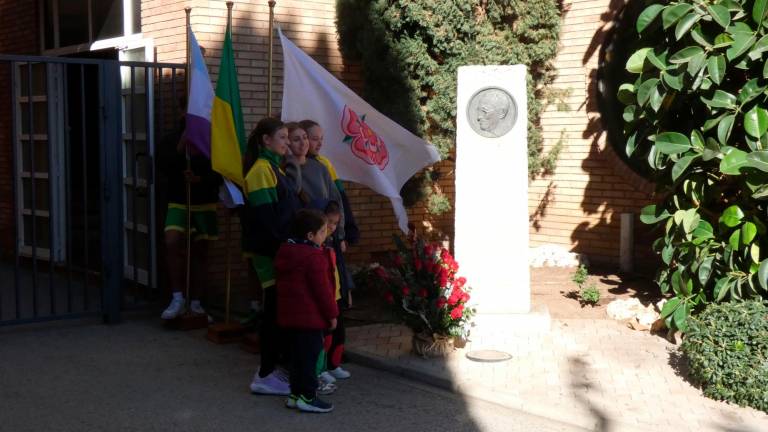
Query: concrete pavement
{"points": [[138, 376]]}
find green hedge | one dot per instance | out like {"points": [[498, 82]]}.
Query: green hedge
{"points": [[727, 350]]}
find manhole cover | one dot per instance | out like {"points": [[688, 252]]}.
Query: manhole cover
{"points": [[488, 356]]}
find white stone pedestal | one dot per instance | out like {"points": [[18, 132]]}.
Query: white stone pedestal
{"points": [[491, 237]]}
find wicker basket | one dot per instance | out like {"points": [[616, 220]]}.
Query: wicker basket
{"points": [[432, 345]]}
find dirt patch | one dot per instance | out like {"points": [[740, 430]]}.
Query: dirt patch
{"points": [[553, 287]]}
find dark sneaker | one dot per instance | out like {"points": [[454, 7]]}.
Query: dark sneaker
{"points": [[252, 320], [315, 405], [291, 401]]}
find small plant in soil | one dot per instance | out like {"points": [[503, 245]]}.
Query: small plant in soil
{"points": [[586, 294], [589, 295]]}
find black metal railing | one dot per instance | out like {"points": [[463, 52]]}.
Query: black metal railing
{"points": [[80, 222]]}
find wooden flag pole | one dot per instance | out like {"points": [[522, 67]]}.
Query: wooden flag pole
{"points": [[229, 215], [227, 332], [269, 58], [188, 321], [188, 11]]}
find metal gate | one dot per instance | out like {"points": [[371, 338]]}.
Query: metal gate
{"points": [[78, 230]]}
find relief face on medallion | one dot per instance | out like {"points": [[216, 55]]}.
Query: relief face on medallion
{"points": [[491, 112]]}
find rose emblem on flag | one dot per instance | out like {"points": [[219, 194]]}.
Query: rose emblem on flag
{"points": [[364, 142]]}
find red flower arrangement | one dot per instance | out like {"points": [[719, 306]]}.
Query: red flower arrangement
{"points": [[422, 286]]}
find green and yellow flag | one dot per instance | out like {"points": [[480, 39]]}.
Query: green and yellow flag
{"points": [[228, 143]]}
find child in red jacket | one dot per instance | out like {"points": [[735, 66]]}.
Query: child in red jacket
{"points": [[305, 304]]}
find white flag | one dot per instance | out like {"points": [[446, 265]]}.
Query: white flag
{"points": [[364, 146]]}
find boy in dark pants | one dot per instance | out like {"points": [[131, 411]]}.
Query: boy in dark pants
{"points": [[306, 305]]}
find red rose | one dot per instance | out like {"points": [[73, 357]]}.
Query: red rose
{"points": [[441, 302], [406, 290], [455, 297], [380, 272], [417, 264], [457, 312], [443, 278], [464, 297], [445, 255], [389, 297], [461, 281], [423, 293], [454, 266], [428, 250]]}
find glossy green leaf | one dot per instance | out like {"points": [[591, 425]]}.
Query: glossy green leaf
{"points": [[703, 230], [748, 232], [658, 61], [626, 94], [721, 288], [657, 98], [648, 15], [754, 253], [720, 14], [762, 274], [669, 307], [716, 68], [631, 145], [690, 220], [680, 317], [695, 64], [668, 252], [734, 240], [681, 165], [672, 14], [724, 128], [705, 269], [721, 99], [760, 47], [697, 140], [750, 90], [672, 143], [699, 37], [651, 214], [685, 24], [678, 282], [673, 81], [756, 121], [758, 11], [765, 69], [732, 216], [733, 162], [742, 42], [636, 62], [723, 40], [685, 54], [758, 159], [645, 90]]}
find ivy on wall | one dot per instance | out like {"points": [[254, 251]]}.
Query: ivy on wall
{"points": [[410, 51]]}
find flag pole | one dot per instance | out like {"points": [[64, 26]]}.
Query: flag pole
{"points": [[229, 213], [269, 59], [188, 11]]}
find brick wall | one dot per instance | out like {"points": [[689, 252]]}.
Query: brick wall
{"points": [[311, 25], [18, 35], [579, 206]]}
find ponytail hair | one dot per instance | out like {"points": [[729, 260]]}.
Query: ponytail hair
{"points": [[265, 126]]}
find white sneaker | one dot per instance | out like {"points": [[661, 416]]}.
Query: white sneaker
{"points": [[196, 308], [173, 310], [326, 378], [270, 385], [339, 373]]}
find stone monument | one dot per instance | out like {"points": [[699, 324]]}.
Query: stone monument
{"points": [[491, 226]]}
